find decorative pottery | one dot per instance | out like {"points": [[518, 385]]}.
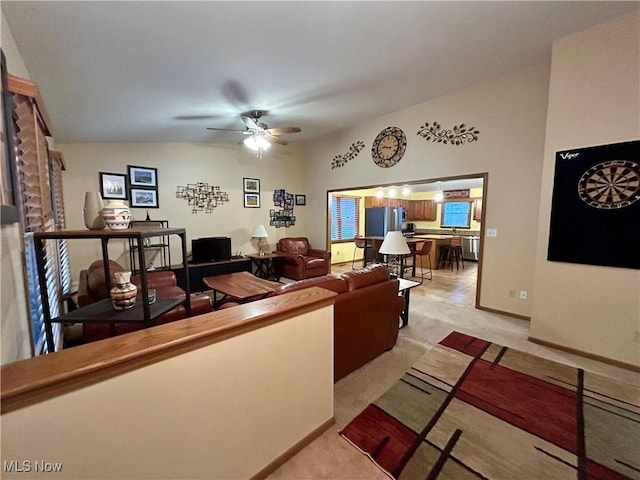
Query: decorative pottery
{"points": [[116, 215], [123, 295], [92, 208]]}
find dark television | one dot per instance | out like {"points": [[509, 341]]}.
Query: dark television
{"points": [[210, 249]]}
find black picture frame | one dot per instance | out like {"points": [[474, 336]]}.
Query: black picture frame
{"points": [[145, 177], [144, 198], [251, 200], [113, 186], [251, 185], [8, 208], [301, 199]]}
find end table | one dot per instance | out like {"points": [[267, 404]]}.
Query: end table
{"points": [[266, 265]]}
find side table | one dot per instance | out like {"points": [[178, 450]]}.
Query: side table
{"points": [[266, 265], [404, 289]]}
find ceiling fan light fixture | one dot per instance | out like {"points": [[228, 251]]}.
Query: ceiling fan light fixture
{"points": [[256, 143]]}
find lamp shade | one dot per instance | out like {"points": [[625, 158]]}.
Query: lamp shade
{"points": [[394, 244], [259, 232]]}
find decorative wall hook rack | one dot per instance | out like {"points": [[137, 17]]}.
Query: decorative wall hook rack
{"points": [[202, 196]]}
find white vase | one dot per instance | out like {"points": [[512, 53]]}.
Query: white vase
{"points": [[92, 208], [116, 215], [123, 295]]}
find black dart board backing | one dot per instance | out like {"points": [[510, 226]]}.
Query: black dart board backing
{"points": [[595, 208]]}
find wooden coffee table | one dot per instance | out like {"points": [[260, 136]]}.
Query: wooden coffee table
{"points": [[240, 286]]}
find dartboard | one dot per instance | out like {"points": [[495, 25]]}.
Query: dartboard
{"points": [[610, 185]]}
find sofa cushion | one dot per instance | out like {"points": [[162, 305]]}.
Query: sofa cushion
{"points": [[366, 276], [330, 282], [299, 245], [96, 281]]}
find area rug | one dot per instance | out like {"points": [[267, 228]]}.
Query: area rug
{"points": [[471, 409]]}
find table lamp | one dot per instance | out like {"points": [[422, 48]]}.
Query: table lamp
{"points": [[260, 233], [396, 246]]}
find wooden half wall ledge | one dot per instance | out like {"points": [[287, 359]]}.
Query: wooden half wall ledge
{"points": [[34, 380]]}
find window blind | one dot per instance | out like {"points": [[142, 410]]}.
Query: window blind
{"points": [[345, 217]]}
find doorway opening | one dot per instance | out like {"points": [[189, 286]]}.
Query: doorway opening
{"points": [[421, 203]]}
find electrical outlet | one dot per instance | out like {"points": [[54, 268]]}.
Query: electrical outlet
{"points": [[512, 293], [523, 294]]}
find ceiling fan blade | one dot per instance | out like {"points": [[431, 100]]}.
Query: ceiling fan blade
{"points": [[225, 129], [281, 130], [272, 139], [250, 122]]}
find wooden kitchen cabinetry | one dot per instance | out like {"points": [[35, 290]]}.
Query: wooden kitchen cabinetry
{"points": [[415, 209], [477, 209]]}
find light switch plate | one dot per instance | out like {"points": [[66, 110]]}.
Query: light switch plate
{"points": [[492, 232]]}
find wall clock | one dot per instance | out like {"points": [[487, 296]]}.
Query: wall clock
{"points": [[389, 147]]}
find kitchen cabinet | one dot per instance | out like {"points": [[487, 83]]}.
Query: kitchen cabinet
{"points": [[414, 209], [477, 209]]}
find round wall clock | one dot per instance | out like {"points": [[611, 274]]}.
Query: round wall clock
{"points": [[388, 147], [610, 185]]}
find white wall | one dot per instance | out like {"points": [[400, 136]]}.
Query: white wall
{"points": [[594, 99], [223, 411], [16, 339], [179, 164], [510, 114]]}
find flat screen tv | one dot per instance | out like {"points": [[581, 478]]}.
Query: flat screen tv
{"points": [[210, 249], [456, 215]]}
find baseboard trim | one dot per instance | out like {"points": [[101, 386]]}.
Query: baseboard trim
{"points": [[502, 312], [592, 356], [291, 452]]}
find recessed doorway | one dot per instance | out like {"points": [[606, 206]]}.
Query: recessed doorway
{"points": [[421, 203]]}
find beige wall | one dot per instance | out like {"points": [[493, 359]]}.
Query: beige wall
{"points": [[223, 411], [15, 337], [510, 113], [594, 99], [179, 164]]}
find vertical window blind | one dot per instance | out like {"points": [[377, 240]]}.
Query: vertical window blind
{"points": [[345, 217]]}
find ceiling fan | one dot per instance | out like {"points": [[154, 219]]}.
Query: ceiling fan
{"points": [[258, 134]]}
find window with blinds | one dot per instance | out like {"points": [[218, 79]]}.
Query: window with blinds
{"points": [[345, 217], [41, 208]]}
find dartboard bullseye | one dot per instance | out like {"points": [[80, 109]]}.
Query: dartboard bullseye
{"points": [[610, 185]]}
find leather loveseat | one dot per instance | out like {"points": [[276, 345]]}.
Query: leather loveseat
{"points": [[300, 260], [92, 287], [366, 314]]}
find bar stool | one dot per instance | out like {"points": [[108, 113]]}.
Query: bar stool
{"points": [[451, 252], [425, 249], [359, 243]]}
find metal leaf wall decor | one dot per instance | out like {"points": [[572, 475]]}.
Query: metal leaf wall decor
{"points": [[202, 197], [459, 135], [341, 160]]}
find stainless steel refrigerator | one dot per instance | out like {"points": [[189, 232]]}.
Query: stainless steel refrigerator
{"points": [[380, 220]]}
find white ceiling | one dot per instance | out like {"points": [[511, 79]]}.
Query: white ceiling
{"points": [[163, 71]]}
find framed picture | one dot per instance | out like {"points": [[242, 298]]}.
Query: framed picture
{"points": [[143, 177], [113, 186], [251, 200], [251, 185], [301, 199], [144, 198]]}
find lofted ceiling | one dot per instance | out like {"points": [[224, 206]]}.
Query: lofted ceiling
{"points": [[124, 71]]}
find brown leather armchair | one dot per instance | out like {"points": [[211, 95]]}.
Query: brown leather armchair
{"points": [[300, 260], [92, 288]]}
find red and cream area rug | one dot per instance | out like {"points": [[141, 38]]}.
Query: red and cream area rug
{"points": [[471, 409]]}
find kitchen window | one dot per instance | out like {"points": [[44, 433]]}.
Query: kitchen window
{"points": [[345, 217]]}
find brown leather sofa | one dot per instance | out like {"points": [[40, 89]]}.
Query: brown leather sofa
{"points": [[300, 260], [366, 314], [92, 287]]}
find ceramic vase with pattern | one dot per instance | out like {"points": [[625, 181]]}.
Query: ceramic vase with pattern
{"points": [[116, 215], [91, 211], [123, 295]]}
